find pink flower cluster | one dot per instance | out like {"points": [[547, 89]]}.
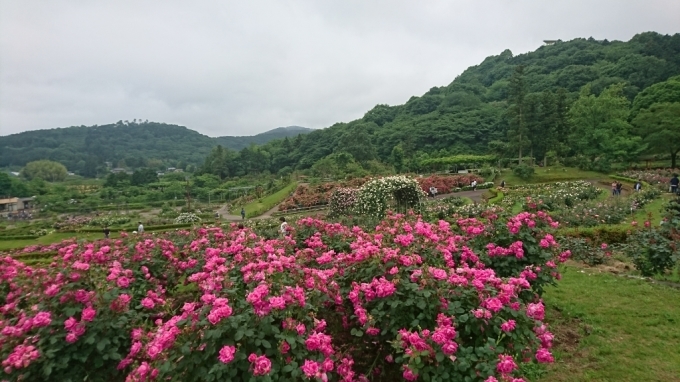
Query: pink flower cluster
{"points": [[236, 281], [20, 358]]}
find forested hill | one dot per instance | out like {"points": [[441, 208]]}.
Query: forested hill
{"points": [[238, 143], [470, 114], [85, 149]]}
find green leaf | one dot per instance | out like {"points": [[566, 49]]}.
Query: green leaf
{"points": [[102, 344]]}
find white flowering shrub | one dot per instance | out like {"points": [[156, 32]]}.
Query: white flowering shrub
{"points": [[343, 200], [187, 217], [399, 192]]}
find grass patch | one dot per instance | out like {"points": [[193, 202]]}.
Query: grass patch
{"points": [[265, 204], [57, 237], [632, 330], [550, 174], [653, 211]]}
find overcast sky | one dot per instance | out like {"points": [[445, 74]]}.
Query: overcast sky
{"points": [[244, 67]]}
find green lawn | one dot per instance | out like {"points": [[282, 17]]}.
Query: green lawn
{"points": [[549, 174], [265, 204], [630, 328]]}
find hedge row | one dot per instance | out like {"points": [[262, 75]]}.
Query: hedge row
{"points": [[498, 196], [18, 237], [34, 255], [606, 234], [134, 228]]}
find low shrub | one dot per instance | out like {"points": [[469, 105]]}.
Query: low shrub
{"points": [[523, 171]]}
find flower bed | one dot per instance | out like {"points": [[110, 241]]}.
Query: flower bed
{"points": [[316, 195], [659, 178], [447, 183], [409, 300], [187, 217], [550, 196]]}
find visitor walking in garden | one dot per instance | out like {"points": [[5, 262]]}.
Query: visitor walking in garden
{"points": [[638, 186], [474, 185], [284, 226], [106, 232], [140, 229], [619, 186], [674, 184], [613, 188], [502, 183], [243, 213]]}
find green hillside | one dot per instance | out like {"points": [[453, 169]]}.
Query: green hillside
{"points": [[239, 143], [472, 115], [85, 150]]}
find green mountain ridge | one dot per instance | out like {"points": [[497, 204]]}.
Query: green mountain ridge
{"points": [[132, 144]]}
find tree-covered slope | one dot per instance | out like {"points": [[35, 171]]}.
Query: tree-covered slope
{"points": [[241, 142], [129, 144], [470, 113]]}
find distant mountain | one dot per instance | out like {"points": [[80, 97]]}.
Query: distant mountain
{"points": [[241, 142], [86, 150]]}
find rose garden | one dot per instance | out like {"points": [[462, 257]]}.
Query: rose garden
{"points": [[385, 285]]}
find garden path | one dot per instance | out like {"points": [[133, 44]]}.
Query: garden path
{"points": [[476, 195], [607, 186]]}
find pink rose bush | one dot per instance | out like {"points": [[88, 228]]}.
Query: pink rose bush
{"points": [[410, 299]]}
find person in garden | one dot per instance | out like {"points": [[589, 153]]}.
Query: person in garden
{"points": [[243, 213], [638, 186], [106, 231], [284, 226], [674, 184], [432, 191], [140, 229], [474, 185], [502, 183], [619, 186], [614, 188]]}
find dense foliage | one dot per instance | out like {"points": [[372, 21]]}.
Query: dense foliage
{"points": [[84, 150]]}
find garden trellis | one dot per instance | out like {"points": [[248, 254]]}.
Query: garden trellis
{"points": [[375, 196]]}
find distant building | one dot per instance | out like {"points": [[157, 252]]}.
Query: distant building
{"points": [[12, 206], [14, 173], [550, 42], [118, 170]]}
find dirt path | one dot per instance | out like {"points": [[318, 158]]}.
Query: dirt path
{"points": [[605, 185], [476, 195]]}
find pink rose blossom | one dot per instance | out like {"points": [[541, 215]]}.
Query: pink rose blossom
{"points": [[227, 354]]}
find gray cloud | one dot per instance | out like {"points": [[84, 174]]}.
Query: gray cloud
{"points": [[240, 68]]}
